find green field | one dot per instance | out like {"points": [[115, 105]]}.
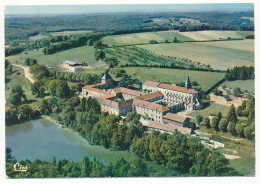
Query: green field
{"points": [[17, 79], [161, 36], [175, 76], [80, 54], [219, 55], [244, 85], [139, 38], [212, 109]]}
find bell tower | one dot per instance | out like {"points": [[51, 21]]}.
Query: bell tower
{"points": [[187, 83]]}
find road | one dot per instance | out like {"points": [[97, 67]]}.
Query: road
{"points": [[27, 73]]}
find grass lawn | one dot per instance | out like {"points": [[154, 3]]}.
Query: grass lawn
{"points": [[175, 76], [244, 85], [212, 109], [139, 38], [219, 55], [243, 148], [17, 79], [80, 54]]}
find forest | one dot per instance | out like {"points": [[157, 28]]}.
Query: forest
{"points": [[19, 28]]}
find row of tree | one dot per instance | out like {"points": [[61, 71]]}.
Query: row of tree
{"points": [[231, 123], [63, 168], [240, 73], [69, 44]]}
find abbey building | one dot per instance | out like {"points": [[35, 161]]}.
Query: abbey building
{"points": [[156, 102]]}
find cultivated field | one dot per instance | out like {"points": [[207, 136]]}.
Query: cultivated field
{"points": [[80, 54], [175, 76], [244, 85], [161, 36], [215, 35], [139, 38], [219, 55]]}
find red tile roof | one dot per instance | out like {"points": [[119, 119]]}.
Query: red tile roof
{"points": [[95, 89], [169, 127], [114, 104], [149, 96], [149, 105], [177, 88], [151, 83], [109, 96], [96, 85], [128, 91], [175, 117]]}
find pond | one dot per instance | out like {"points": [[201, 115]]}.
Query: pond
{"points": [[44, 140]]}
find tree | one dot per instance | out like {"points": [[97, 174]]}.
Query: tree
{"points": [[16, 95], [231, 128], [240, 130], [153, 42], [214, 123], [237, 92], [62, 89], [222, 126], [175, 40], [199, 119], [99, 54], [206, 122], [219, 116], [137, 167], [99, 45], [85, 167], [248, 133], [30, 62], [227, 97], [231, 115], [25, 112], [112, 61]]}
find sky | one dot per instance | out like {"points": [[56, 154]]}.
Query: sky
{"points": [[23, 9]]}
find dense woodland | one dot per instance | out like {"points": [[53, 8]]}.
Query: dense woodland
{"points": [[20, 28]]}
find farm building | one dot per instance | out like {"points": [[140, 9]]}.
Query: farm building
{"points": [[72, 66]]}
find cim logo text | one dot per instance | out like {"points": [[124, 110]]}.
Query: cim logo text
{"points": [[19, 167]]}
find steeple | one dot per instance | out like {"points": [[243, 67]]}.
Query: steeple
{"points": [[187, 83]]}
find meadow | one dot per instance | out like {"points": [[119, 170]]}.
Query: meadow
{"points": [[244, 85], [161, 36], [17, 79], [219, 55], [215, 35], [210, 110], [80, 54], [175, 76], [140, 38]]}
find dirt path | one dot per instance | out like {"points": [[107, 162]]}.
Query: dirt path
{"points": [[27, 73], [228, 156]]}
